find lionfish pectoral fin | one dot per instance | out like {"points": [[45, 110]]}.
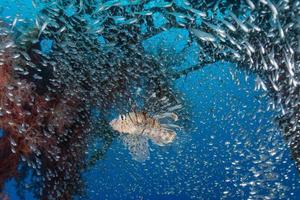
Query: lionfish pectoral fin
{"points": [[173, 126], [169, 115], [138, 147], [162, 136]]}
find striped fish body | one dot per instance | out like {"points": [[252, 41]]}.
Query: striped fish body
{"points": [[136, 128], [140, 123]]}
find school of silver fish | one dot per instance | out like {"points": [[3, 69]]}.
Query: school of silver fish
{"points": [[262, 37]]}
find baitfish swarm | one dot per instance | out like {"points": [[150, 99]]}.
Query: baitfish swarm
{"points": [[139, 127], [47, 96]]}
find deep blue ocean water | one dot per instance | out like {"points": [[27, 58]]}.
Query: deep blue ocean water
{"points": [[209, 159]]}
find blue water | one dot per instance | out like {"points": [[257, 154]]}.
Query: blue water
{"points": [[207, 144], [207, 161]]}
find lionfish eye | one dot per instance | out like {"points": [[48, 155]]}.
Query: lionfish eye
{"points": [[122, 117]]}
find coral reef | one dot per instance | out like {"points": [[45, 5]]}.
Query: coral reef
{"points": [[45, 131]]}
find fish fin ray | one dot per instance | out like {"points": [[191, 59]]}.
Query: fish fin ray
{"points": [[138, 147], [162, 136]]}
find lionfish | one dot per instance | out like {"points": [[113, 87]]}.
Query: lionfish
{"points": [[136, 128]]}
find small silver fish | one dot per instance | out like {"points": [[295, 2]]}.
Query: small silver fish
{"points": [[33, 4], [251, 4], [204, 35], [273, 9], [43, 28], [289, 63], [136, 128], [14, 23], [229, 25], [216, 28], [272, 59], [240, 23], [260, 84], [198, 12]]}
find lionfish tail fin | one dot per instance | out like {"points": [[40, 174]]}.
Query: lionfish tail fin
{"points": [[169, 115]]}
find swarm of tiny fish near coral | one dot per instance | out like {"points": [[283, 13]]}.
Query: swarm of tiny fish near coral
{"points": [[46, 115], [44, 129], [35, 131]]}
